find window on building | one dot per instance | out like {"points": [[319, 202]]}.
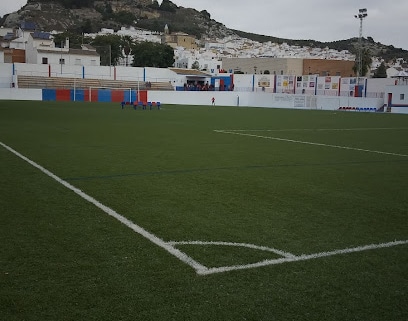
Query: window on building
{"points": [[281, 72], [45, 60], [402, 96], [62, 61], [338, 73]]}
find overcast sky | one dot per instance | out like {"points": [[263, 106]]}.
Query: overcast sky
{"points": [[322, 20]]}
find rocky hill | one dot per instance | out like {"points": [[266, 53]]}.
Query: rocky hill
{"points": [[91, 16], [88, 16]]}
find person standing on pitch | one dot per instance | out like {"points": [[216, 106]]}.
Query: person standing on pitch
{"points": [[213, 101]]}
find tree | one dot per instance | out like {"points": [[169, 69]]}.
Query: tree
{"points": [[149, 54], [366, 60], [124, 18], [72, 4], [126, 45], [168, 6], [109, 47], [206, 14], [75, 40], [155, 5], [195, 65], [85, 27], [381, 71]]}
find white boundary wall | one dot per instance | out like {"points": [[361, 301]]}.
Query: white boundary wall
{"points": [[242, 99], [6, 75], [266, 100], [96, 72], [20, 94], [250, 99]]}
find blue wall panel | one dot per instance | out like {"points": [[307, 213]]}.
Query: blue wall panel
{"points": [[49, 95], [79, 95], [133, 96], [104, 95]]}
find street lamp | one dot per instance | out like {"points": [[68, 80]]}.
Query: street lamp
{"points": [[362, 13]]}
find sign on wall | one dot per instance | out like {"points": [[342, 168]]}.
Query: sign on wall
{"points": [[306, 84], [285, 84]]}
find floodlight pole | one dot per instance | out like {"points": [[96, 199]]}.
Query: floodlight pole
{"points": [[110, 61], [362, 13], [75, 85]]}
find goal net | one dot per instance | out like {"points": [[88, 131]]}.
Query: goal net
{"points": [[111, 94]]}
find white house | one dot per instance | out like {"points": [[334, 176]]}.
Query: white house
{"points": [[67, 57], [207, 60], [7, 35], [393, 71], [17, 38], [37, 41], [41, 50], [396, 98]]}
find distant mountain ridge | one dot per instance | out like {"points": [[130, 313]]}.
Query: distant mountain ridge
{"points": [[91, 15]]}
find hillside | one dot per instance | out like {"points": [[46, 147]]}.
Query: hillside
{"points": [[86, 16], [90, 16], [388, 53]]}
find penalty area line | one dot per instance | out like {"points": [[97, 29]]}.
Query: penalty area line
{"points": [[200, 269], [310, 143], [315, 129]]}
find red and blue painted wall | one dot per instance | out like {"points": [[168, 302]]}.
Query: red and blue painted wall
{"points": [[94, 95]]}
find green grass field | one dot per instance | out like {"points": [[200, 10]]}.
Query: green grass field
{"points": [[317, 199]]}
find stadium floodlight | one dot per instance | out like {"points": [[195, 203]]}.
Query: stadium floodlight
{"points": [[362, 13]]}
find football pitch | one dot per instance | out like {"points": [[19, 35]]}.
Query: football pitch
{"points": [[201, 213]]}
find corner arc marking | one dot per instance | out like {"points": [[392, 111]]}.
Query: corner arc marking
{"points": [[246, 245]]}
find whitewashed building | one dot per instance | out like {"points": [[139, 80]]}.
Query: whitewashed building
{"points": [[41, 49], [206, 60]]}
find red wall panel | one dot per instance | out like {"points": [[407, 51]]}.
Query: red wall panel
{"points": [[142, 96], [63, 95], [118, 96]]}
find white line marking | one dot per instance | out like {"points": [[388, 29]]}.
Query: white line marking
{"points": [[303, 257], [200, 269], [310, 143], [251, 246], [314, 129]]}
